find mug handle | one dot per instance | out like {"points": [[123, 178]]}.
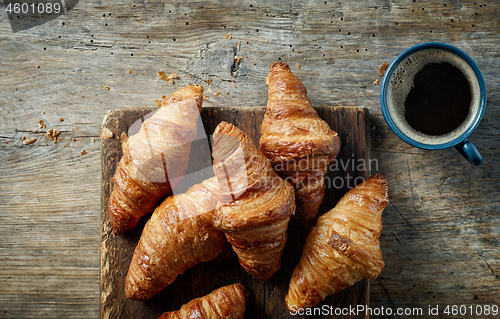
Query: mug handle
{"points": [[470, 152]]}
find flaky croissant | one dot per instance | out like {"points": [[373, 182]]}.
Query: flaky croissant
{"points": [[179, 235], [258, 203], [227, 302], [154, 159], [343, 247], [298, 142]]}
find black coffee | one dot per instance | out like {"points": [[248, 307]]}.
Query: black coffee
{"points": [[439, 99]]}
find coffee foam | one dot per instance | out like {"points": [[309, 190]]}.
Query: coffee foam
{"points": [[401, 82]]}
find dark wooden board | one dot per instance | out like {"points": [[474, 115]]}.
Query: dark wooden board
{"points": [[266, 298]]}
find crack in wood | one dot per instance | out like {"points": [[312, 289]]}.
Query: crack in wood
{"points": [[235, 66], [411, 184], [491, 269], [409, 224], [85, 48], [38, 131], [84, 136], [386, 292], [404, 218]]}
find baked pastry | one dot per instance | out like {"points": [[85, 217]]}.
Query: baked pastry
{"points": [[154, 159], [257, 202], [343, 247], [298, 142], [179, 235], [227, 302]]}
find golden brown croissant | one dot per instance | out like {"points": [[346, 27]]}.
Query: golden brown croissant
{"points": [[343, 247], [179, 235], [161, 146], [227, 302], [298, 142], [258, 203]]}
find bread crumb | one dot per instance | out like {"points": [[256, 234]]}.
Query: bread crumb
{"points": [[28, 141], [209, 81], [376, 82], [23, 138], [130, 72], [298, 51], [168, 78], [52, 134], [61, 119], [38, 66], [6, 142], [106, 133], [206, 97], [106, 88], [74, 140], [298, 66], [93, 141], [43, 112], [382, 68], [217, 93], [41, 124], [228, 36], [83, 152], [238, 59], [234, 84]]}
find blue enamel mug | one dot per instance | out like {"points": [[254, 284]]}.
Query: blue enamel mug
{"points": [[407, 73]]}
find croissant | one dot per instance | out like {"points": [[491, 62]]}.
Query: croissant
{"points": [[342, 248], [257, 203], [298, 142], [227, 302], [179, 235], [154, 159]]}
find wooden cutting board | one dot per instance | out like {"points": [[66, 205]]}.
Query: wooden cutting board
{"points": [[266, 299]]}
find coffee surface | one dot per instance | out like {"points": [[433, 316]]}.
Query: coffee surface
{"points": [[439, 100]]}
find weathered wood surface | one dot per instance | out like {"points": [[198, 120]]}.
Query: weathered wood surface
{"points": [[441, 230], [267, 299]]}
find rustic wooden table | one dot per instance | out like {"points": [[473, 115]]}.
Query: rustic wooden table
{"points": [[441, 233]]}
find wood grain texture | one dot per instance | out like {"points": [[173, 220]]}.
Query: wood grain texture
{"points": [[441, 230], [267, 299]]}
